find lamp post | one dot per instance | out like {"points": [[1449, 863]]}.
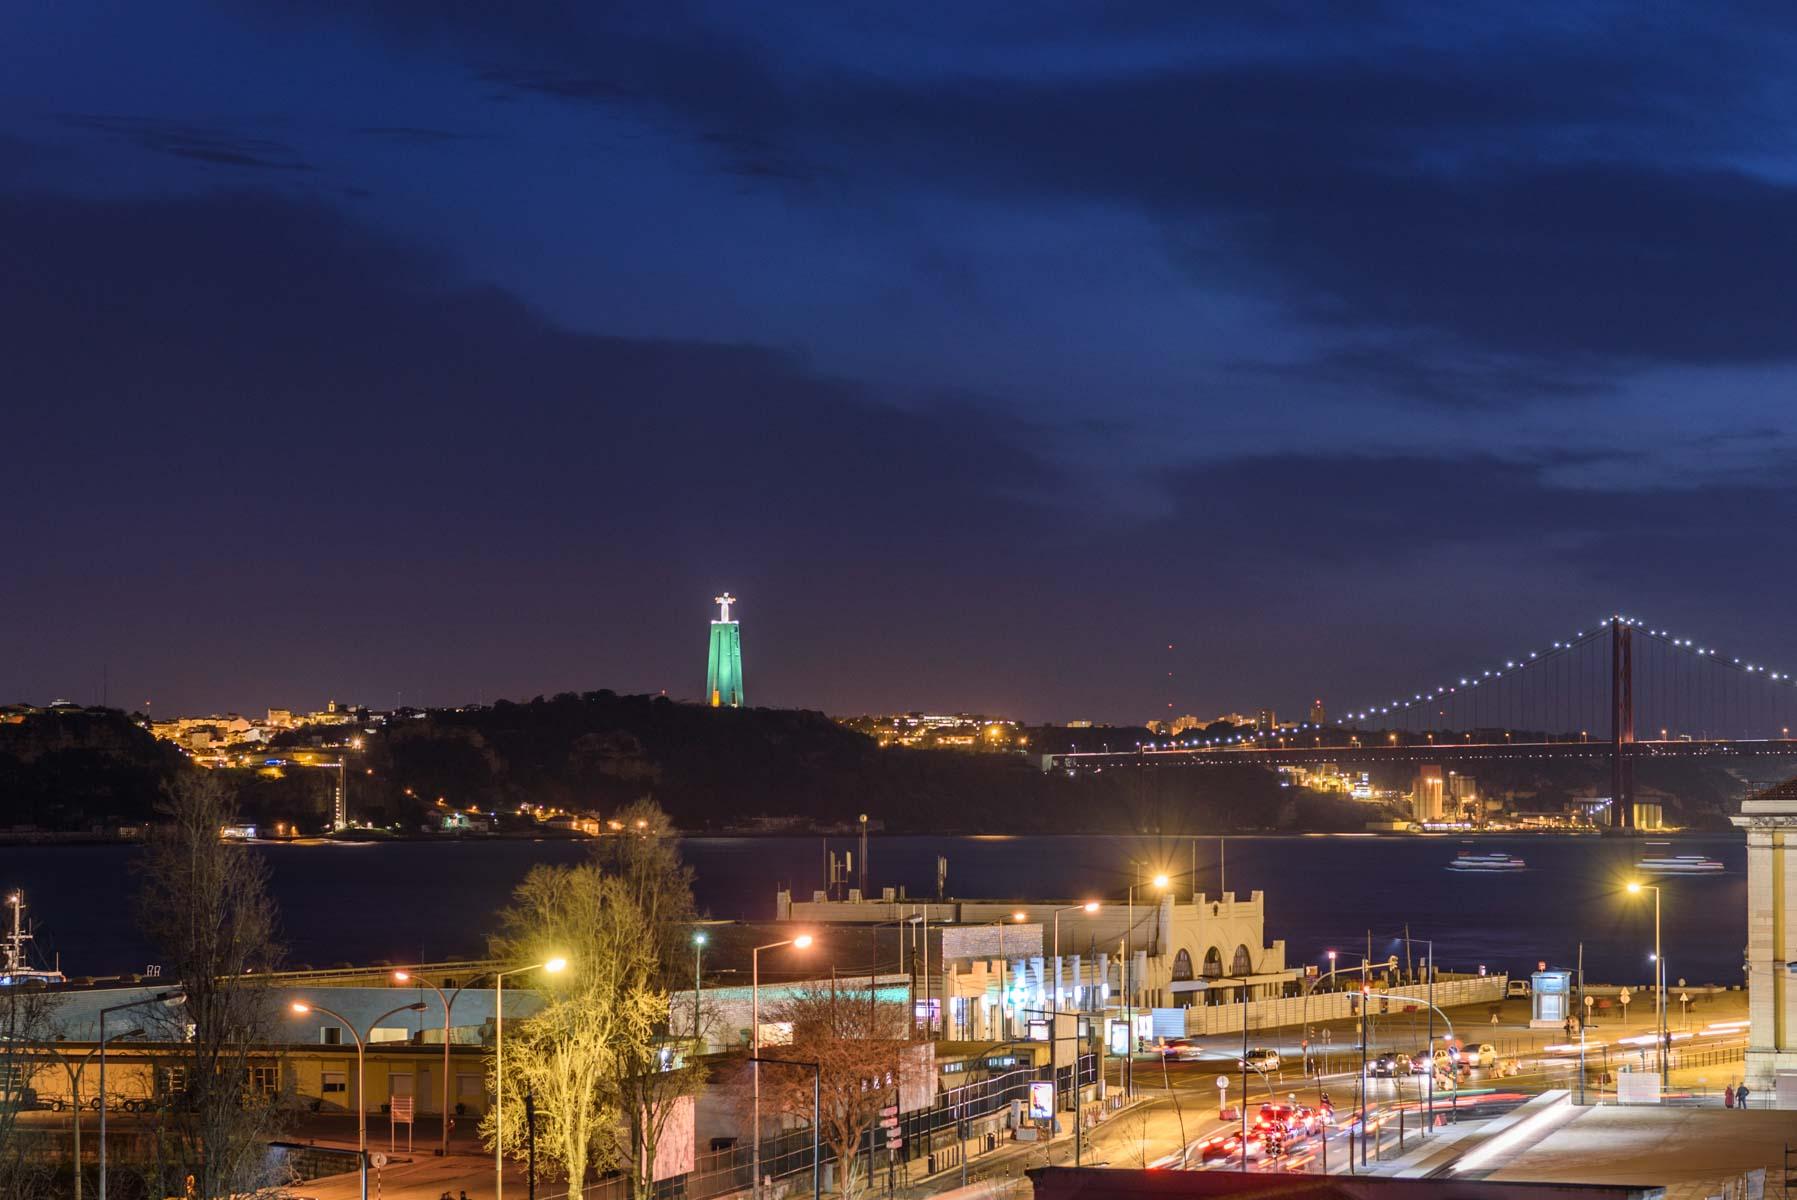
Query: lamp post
{"points": [[1243, 980], [800, 942], [1054, 1020], [553, 966], [1129, 999], [1304, 1020], [76, 1069], [1090, 906], [817, 1091], [699, 940], [158, 998], [1004, 966], [1659, 968], [404, 976], [306, 1006]]}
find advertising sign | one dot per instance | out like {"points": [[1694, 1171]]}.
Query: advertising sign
{"points": [[1041, 1100], [1117, 1038]]}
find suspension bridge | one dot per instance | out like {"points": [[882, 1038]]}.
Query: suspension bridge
{"points": [[1620, 690]]}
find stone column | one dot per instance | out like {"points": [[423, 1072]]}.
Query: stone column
{"points": [[1771, 823]]}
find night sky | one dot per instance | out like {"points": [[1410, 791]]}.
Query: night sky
{"points": [[438, 352]]}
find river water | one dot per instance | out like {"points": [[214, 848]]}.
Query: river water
{"points": [[419, 901]]}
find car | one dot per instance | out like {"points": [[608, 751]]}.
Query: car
{"points": [[1484, 1056], [1260, 1058], [1517, 989], [1391, 1065], [1223, 1147], [1179, 1048]]}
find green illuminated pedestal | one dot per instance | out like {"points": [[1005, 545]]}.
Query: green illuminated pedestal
{"points": [[724, 666]]}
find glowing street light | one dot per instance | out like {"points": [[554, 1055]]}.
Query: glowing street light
{"points": [[801, 942], [1635, 888], [1159, 882], [302, 1007], [553, 966]]}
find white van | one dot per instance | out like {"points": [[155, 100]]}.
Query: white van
{"points": [[1517, 989]]}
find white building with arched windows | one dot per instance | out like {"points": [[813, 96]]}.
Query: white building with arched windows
{"points": [[984, 965]]}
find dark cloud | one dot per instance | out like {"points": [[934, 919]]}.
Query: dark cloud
{"points": [[414, 135], [1395, 509], [1550, 189], [198, 143], [1431, 376]]}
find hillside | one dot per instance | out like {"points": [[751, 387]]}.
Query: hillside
{"points": [[719, 769], [735, 769], [69, 768]]}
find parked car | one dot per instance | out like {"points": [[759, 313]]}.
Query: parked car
{"points": [[1517, 989]]}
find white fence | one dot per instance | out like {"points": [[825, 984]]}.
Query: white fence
{"points": [[1335, 1006]]}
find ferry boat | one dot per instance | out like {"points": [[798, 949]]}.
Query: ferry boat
{"points": [[1680, 864], [1490, 862], [15, 965]]}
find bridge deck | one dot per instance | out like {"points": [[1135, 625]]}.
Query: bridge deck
{"points": [[1406, 752]]}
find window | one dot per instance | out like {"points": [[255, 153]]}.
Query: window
{"points": [[174, 1080], [265, 1081], [334, 1083], [1182, 965], [1244, 965], [331, 1035]]}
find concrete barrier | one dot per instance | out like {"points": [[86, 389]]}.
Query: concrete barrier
{"points": [[1202, 1020]]}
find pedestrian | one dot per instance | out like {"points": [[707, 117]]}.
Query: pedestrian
{"points": [[1728, 1096], [1741, 1094]]}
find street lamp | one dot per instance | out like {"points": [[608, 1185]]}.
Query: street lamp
{"points": [[1159, 882], [75, 1071], [699, 940], [1054, 1016], [817, 1089], [1635, 888], [158, 998], [403, 976], [301, 1007], [1263, 1078], [1004, 967], [1089, 907], [801, 942], [553, 966]]}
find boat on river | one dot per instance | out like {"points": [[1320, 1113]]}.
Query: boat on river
{"points": [[1488, 863], [1680, 864], [15, 963]]}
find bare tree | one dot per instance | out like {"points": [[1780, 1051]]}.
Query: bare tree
{"points": [[203, 902], [570, 1057], [856, 1039], [25, 1013]]}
